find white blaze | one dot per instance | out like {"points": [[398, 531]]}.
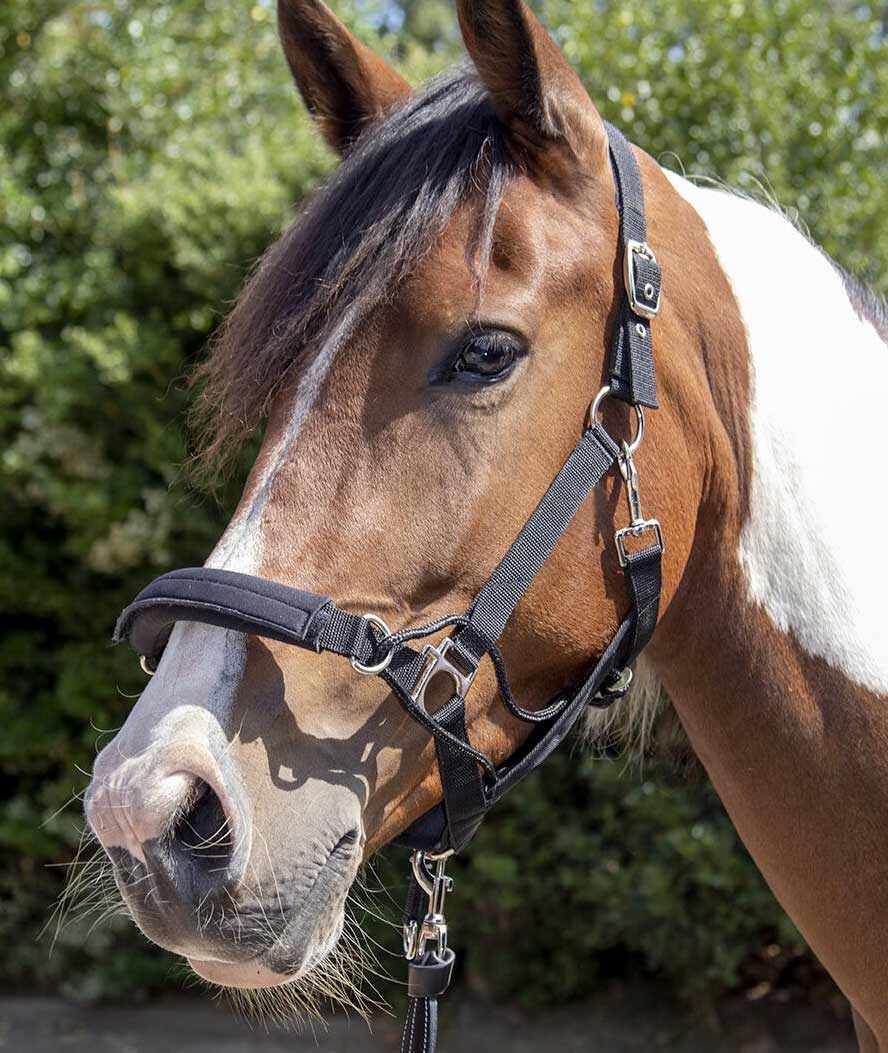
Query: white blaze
{"points": [[211, 650], [810, 546]]}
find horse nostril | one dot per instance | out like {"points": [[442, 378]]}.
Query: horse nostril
{"points": [[348, 841], [201, 835]]}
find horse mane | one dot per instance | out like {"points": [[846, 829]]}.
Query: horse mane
{"points": [[356, 240], [869, 304]]}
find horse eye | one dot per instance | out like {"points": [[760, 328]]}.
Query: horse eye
{"points": [[487, 357]]}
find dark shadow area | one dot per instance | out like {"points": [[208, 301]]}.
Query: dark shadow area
{"points": [[261, 713]]}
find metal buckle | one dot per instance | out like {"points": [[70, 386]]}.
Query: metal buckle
{"points": [[636, 530], [638, 525], [651, 307], [436, 884], [436, 661]]}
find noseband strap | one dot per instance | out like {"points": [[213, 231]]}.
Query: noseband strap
{"points": [[471, 782], [225, 599]]}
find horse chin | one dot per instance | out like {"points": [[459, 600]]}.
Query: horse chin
{"points": [[231, 936], [268, 969], [244, 976]]}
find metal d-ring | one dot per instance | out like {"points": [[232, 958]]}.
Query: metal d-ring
{"points": [[380, 667], [595, 408]]}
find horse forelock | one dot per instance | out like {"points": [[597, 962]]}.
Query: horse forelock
{"points": [[357, 239]]}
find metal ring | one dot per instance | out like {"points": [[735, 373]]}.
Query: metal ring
{"points": [[639, 413], [146, 668], [380, 667]]}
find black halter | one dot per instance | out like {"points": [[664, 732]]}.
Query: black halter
{"points": [[472, 784]]}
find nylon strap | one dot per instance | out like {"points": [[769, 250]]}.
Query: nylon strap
{"points": [[592, 458], [632, 377], [644, 571], [465, 797]]}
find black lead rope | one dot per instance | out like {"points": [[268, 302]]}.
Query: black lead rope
{"points": [[471, 782]]}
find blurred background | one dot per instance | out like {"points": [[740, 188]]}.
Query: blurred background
{"points": [[149, 152]]}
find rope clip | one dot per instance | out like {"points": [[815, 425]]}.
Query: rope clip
{"points": [[638, 526], [429, 871]]}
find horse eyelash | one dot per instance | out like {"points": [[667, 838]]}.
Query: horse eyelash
{"points": [[449, 371]]}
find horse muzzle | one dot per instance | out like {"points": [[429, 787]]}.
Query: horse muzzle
{"points": [[199, 876]]}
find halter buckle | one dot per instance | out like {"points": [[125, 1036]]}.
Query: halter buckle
{"points": [[639, 526], [436, 661], [436, 884], [648, 306]]}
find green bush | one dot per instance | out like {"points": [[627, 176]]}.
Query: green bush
{"points": [[148, 153], [592, 868]]}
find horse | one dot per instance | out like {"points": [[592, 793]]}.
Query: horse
{"points": [[421, 346]]}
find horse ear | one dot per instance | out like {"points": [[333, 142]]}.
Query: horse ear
{"points": [[534, 89], [344, 84]]}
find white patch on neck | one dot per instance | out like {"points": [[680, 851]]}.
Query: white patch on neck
{"points": [[817, 485]]}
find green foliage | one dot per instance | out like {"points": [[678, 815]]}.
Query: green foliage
{"points": [[592, 869], [148, 153], [782, 98]]}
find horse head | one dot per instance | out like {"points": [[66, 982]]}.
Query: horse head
{"points": [[424, 343]]}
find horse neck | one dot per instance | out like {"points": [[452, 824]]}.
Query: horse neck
{"points": [[773, 648]]}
